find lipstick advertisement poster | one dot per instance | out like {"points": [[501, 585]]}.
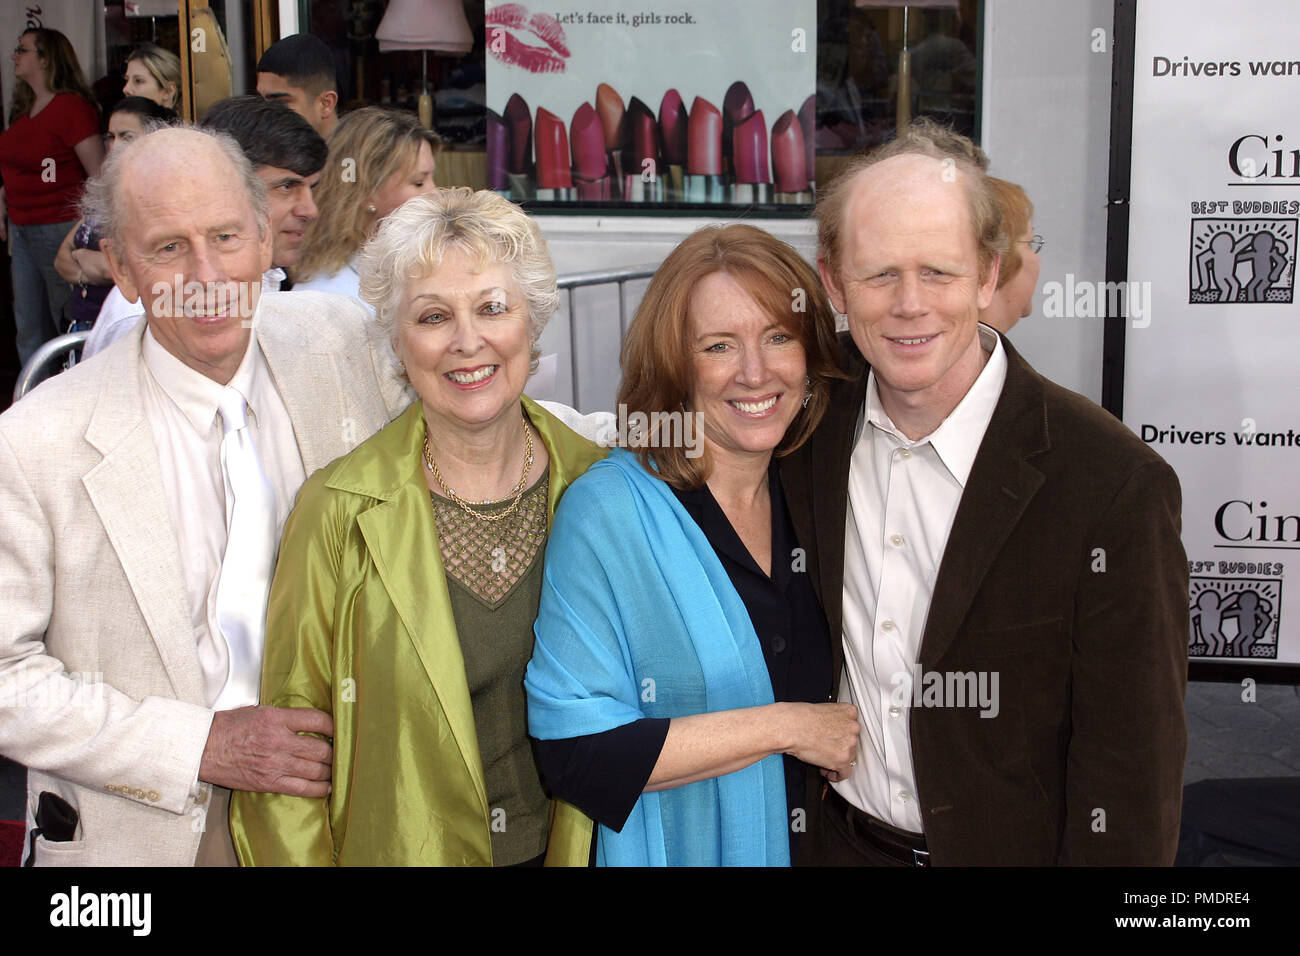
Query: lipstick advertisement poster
{"points": [[1212, 332], [652, 102]]}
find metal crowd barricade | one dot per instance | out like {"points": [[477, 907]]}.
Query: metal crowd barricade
{"points": [[37, 367], [578, 280], [41, 362]]}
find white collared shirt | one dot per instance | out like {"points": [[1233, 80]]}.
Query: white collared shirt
{"points": [[903, 496], [346, 281], [181, 405]]}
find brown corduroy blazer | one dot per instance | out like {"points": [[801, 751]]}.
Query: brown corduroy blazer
{"points": [[1065, 574]]}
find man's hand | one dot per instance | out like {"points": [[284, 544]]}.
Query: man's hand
{"points": [[264, 749]]}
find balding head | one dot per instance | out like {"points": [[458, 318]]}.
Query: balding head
{"points": [[163, 158], [188, 234], [959, 160], [912, 279]]}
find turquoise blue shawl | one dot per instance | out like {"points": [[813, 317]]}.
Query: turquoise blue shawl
{"points": [[639, 619]]}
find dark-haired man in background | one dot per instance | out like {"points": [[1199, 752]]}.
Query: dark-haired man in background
{"points": [[288, 156], [298, 71]]}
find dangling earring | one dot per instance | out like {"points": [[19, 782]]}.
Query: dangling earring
{"points": [[807, 390], [402, 366]]}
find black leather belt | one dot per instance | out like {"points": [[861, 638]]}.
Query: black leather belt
{"points": [[905, 848]]}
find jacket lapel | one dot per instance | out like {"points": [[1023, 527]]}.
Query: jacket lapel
{"points": [[312, 391], [126, 490], [830, 505], [816, 482], [402, 540], [999, 489]]}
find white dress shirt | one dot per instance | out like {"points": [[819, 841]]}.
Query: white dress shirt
{"points": [[347, 281], [181, 405], [117, 316], [903, 496]]}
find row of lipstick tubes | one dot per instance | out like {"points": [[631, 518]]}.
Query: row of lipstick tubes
{"points": [[613, 152]]}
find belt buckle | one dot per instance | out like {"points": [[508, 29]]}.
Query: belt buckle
{"points": [[921, 858]]}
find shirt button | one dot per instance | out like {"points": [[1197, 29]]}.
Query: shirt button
{"points": [[895, 711], [904, 796], [886, 625], [778, 644], [896, 540], [904, 453]]}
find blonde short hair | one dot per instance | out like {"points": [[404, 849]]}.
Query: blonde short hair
{"points": [[412, 241]]}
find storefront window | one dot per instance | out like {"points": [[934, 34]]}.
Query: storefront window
{"points": [[595, 109]]}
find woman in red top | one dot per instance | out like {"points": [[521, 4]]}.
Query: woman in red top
{"points": [[51, 147]]}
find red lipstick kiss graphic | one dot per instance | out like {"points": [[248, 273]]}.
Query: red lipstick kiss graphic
{"points": [[533, 42]]}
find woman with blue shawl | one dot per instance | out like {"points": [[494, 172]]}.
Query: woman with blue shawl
{"points": [[678, 691]]}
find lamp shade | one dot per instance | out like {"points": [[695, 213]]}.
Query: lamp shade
{"points": [[436, 25], [150, 8]]}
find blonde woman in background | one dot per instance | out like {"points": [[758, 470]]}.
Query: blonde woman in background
{"points": [[155, 74], [379, 158], [1018, 273]]}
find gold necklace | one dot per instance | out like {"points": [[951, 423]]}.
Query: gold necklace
{"points": [[517, 491]]}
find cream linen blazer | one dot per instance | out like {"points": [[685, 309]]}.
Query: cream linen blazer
{"points": [[100, 689]]}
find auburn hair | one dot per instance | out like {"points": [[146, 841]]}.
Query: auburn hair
{"points": [[1017, 213], [657, 359]]}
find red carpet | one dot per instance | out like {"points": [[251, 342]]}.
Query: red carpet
{"points": [[11, 842]]}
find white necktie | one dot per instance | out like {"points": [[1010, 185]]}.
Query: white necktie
{"points": [[245, 576]]}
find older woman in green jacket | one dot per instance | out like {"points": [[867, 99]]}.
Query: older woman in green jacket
{"points": [[410, 570]]}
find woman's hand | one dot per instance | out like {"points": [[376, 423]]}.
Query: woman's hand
{"points": [[824, 735], [65, 261], [710, 745], [94, 266]]}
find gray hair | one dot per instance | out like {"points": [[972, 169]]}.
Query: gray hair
{"points": [[102, 203], [412, 241]]}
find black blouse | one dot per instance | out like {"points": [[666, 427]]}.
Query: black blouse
{"points": [[604, 774]]}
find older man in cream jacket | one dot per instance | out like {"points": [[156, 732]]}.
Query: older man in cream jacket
{"points": [[141, 498]]}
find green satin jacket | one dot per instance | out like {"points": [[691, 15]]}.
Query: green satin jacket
{"points": [[360, 626]]}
